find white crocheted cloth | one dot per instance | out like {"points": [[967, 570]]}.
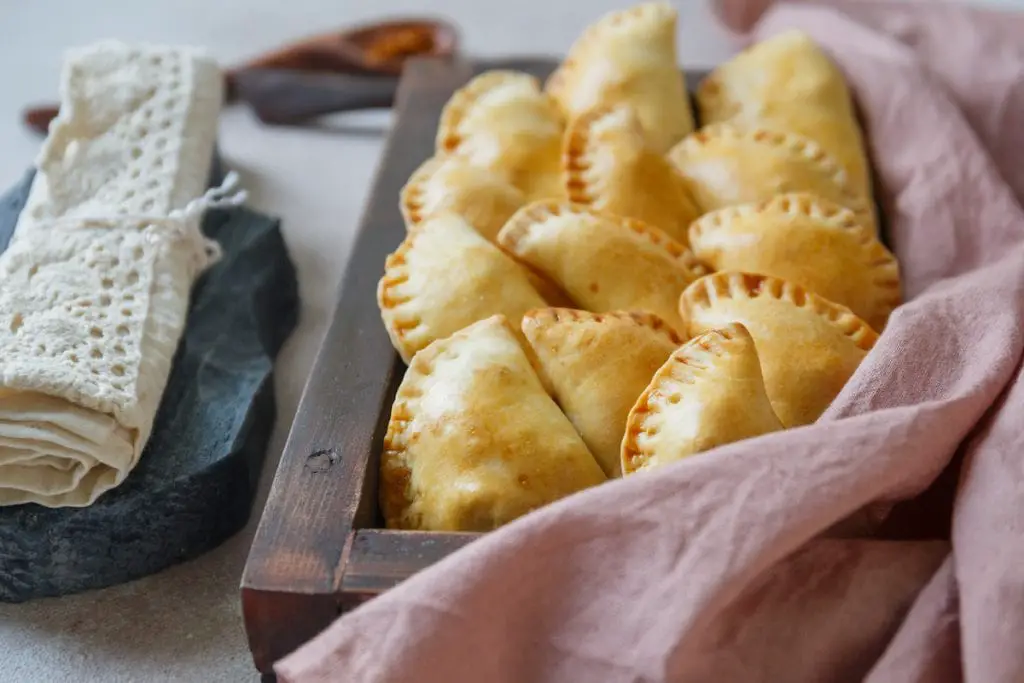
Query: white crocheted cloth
{"points": [[95, 283]]}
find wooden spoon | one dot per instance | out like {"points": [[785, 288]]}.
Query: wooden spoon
{"points": [[357, 67]]}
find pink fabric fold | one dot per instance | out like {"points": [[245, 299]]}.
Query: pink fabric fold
{"points": [[742, 564]]}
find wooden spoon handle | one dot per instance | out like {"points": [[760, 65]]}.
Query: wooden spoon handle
{"points": [[355, 55], [283, 97], [38, 118]]}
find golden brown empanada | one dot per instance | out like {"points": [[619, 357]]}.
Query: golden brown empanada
{"points": [[597, 365], [808, 241], [444, 276], [710, 392], [787, 82], [725, 165], [603, 262], [629, 57], [809, 346], [607, 166], [502, 121], [474, 440], [482, 197]]}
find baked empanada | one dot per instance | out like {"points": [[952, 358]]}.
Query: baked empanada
{"points": [[502, 121], [629, 57], [787, 82], [597, 365], [607, 166], [808, 241], [482, 197], [710, 392], [603, 262], [443, 277], [474, 441], [809, 346], [725, 165]]}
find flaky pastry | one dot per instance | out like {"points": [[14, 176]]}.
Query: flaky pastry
{"points": [[709, 393], [608, 166], [597, 365], [724, 165], [482, 197], [502, 121], [806, 240], [629, 57], [603, 262], [443, 277], [787, 82], [809, 346], [474, 440]]}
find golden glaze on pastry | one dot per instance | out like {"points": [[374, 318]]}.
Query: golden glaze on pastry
{"points": [[474, 441], [603, 262], [629, 57], [808, 241], [502, 121], [607, 166], [710, 392], [444, 276], [550, 291], [809, 346], [725, 165], [787, 82], [483, 198], [597, 365]]}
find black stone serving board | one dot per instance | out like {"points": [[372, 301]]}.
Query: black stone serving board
{"points": [[195, 482]]}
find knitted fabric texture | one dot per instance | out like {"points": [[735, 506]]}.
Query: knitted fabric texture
{"points": [[94, 286]]}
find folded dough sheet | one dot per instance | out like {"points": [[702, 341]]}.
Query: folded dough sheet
{"points": [[94, 286]]}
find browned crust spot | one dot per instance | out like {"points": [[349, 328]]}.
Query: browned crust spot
{"points": [[389, 300], [411, 196], [449, 139], [576, 148], [681, 367], [396, 474], [873, 253], [739, 285]]}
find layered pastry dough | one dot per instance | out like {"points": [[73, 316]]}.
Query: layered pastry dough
{"points": [[806, 240], [94, 285], [710, 392], [474, 441], [787, 82], [629, 57], [597, 365], [809, 346], [603, 262], [502, 121], [724, 165], [608, 166], [483, 198], [443, 277]]}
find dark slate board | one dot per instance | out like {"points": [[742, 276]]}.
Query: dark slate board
{"points": [[196, 480]]}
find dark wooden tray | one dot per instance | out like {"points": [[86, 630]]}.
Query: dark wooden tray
{"points": [[320, 549]]}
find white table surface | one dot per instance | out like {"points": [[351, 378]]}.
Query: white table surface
{"points": [[184, 624]]}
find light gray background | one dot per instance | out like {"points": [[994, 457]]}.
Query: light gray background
{"points": [[185, 623]]}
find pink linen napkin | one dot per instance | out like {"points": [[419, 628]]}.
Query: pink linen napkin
{"points": [[741, 564]]}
